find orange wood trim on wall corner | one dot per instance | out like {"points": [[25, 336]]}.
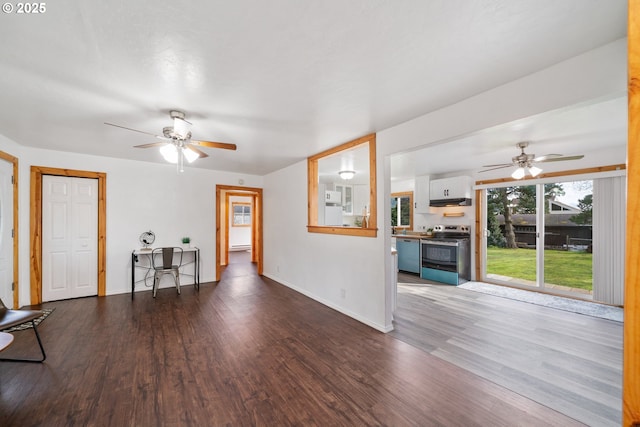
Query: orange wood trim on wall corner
{"points": [[631, 348]]}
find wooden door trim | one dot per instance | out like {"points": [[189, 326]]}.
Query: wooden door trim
{"points": [[631, 348], [227, 219], [35, 205], [256, 223], [16, 283]]}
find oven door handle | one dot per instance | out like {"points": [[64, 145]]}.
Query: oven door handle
{"points": [[427, 242]]}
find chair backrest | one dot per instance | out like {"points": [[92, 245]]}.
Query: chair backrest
{"points": [[167, 257]]}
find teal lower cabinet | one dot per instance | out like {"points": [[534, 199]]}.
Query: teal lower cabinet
{"points": [[448, 277], [408, 254]]}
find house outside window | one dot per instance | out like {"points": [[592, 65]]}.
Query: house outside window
{"points": [[241, 214]]}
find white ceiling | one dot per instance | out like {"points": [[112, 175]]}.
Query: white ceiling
{"points": [[282, 79], [580, 130]]}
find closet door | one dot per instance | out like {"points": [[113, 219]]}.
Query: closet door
{"points": [[69, 237]]}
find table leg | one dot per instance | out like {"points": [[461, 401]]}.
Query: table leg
{"points": [[134, 258]]}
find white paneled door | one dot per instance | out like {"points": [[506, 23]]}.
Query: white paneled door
{"points": [[6, 233], [69, 237]]}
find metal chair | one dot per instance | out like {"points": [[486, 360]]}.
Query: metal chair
{"points": [[10, 318], [166, 255]]}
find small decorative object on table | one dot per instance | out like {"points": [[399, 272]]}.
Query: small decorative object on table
{"points": [[186, 241], [147, 238]]}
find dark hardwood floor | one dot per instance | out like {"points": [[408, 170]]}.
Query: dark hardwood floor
{"points": [[244, 351]]}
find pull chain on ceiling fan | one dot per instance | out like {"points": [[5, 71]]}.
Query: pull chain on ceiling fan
{"points": [[176, 144], [525, 162]]}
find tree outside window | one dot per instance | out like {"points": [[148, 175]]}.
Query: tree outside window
{"points": [[402, 210]]}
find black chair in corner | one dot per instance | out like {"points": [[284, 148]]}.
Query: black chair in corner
{"points": [[167, 266], [10, 318]]}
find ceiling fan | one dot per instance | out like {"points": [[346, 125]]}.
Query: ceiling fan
{"points": [[175, 142], [525, 162]]}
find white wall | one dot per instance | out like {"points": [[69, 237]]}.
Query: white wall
{"points": [[322, 265], [319, 265], [141, 196]]}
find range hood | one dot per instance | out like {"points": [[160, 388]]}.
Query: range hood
{"points": [[438, 203]]}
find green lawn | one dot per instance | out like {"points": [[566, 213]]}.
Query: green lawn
{"points": [[572, 269]]}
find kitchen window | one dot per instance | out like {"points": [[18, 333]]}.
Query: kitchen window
{"points": [[402, 210]]}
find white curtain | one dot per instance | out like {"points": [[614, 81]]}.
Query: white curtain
{"points": [[609, 216]]}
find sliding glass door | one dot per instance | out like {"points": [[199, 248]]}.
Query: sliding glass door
{"points": [[511, 238], [568, 238], [540, 236]]}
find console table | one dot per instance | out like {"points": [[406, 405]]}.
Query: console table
{"points": [[141, 260]]}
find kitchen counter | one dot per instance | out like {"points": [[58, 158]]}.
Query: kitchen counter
{"points": [[411, 236]]}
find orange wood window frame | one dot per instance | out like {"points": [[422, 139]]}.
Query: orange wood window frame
{"points": [[312, 176], [233, 214]]}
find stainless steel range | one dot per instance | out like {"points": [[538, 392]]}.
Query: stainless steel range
{"points": [[446, 257]]}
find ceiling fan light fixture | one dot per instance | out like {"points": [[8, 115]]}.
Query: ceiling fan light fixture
{"points": [[534, 171], [189, 154], [347, 174], [170, 153], [518, 173]]}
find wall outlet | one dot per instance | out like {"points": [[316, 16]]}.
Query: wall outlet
{"points": [[343, 293], [277, 268]]}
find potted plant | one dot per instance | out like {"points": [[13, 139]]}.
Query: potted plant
{"points": [[186, 241], [429, 231]]}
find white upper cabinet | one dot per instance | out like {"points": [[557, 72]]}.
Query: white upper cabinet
{"points": [[346, 198], [333, 197], [458, 187], [421, 195]]}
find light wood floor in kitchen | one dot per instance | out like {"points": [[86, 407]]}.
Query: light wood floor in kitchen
{"points": [[566, 361]]}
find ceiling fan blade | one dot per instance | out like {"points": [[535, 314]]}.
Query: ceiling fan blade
{"points": [[139, 131], [201, 154], [212, 144], [504, 165], [558, 159], [546, 157], [152, 144], [497, 167]]}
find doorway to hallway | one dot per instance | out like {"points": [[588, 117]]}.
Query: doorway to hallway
{"points": [[238, 226]]}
